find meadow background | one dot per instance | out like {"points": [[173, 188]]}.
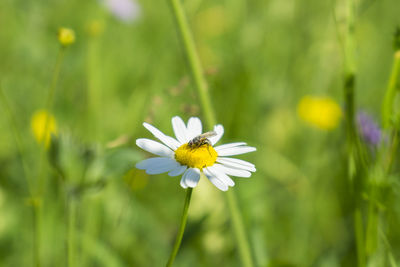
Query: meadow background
{"points": [[260, 59]]}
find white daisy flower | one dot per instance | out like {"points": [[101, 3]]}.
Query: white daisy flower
{"points": [[190, 158]]}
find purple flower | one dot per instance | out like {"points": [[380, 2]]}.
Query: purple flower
{"points": [[125, 10], [368, 129]]}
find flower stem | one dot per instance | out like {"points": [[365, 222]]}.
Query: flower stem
{"points": [[359, 234], [372, 219], [35, 202], [181, 230], [48, 108], [17, 136], [244, 247], [202, 90], [387, 107], [56, 73], [354, 156], [390, 115], [193, 60], [36, 232], [93, 88], [71, 203], [392, 151]]}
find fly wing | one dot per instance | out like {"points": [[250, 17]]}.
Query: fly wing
{"points": [[208, 134]]}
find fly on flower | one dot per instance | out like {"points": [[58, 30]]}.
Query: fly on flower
{"points": [[193, 154], [201, 140]]}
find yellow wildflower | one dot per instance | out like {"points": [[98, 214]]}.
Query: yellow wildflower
{"points": [[322, 112], [43, 125], [66, 36]]}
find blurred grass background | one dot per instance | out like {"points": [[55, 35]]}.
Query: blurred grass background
{"points": [[260, 58]]}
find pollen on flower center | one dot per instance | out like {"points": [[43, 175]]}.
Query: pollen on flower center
{"points": [[199, 157]]}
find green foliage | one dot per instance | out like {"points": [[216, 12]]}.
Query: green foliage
{"points": [[260, 58]]}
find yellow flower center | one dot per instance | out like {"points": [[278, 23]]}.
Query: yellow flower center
{"points": [[199, 157]]}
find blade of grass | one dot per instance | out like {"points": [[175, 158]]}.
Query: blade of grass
{"points": [[353, 146], [35, 202]]}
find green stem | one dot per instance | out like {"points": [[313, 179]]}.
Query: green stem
{"points": [[193, 60], [91, 219], [354, 150], [372, 223], [48, 108], [93, 88], [390, 115], [35, 202], [71, 230], [56, 74], [387, 107], [36, 232], [392, 260], [241, 238], [359, 229], [353, 165], [392, 150], [181, 230], [18, 138], [202, 90]]}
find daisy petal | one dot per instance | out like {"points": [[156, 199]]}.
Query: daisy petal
{"points": [[215, 180], [154, 147], [177, 171], [169, 141], [229, 145], [191, 177], [221, 175], [180, 129], [232, 171], [236, 150], [194, 127], [157, 165], [237, 163], [220, 132], [183, 182]]}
